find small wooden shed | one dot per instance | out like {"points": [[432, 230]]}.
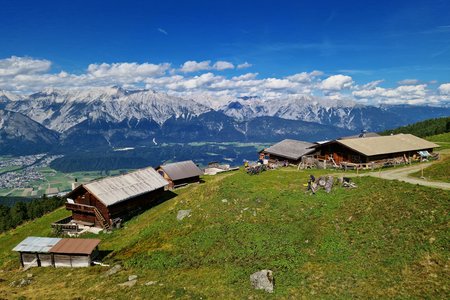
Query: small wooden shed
{"points": [[180, 173], [287, 150], [75, 252], [57, 252]]}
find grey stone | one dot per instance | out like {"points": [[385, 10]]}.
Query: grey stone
{"points": [[128, 283], [132, 277], [329, 184], [224, 200], [29, 275], [183, 214], [113, 270], [24, 282], [151, 283], [263, 280]]}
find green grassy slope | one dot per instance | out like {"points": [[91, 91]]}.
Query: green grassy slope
{"points": [[383, 239], [443, 140]]}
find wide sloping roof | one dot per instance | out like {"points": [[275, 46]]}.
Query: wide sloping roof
{"points": [[75, 246], [362, 135], [36, 244], [371, 146], [112, 190], [291, 149], [182, 169]]}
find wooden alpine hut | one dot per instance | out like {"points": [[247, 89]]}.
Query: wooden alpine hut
{"points": [[287, 150], [180, 173], [102, 201], [363, 150]]}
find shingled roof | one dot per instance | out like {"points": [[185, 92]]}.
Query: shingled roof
{"points": [[290, 149], [371, 146], [182, 170], [112, 190]]}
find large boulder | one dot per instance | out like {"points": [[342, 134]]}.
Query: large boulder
{"points": [[183, 214], [263, 280]]}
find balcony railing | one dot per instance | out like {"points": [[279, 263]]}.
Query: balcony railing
{"points": [[80, 207]]}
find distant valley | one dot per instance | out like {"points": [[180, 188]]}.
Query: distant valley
{"points": [[82, 124]]}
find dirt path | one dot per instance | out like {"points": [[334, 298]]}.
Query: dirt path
{"points": [[401, 173]]}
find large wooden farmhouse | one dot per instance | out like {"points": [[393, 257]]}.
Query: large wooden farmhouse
{"points": [[100, 202], [370, 149], [180, 173], [287, 150], [56, 252]]}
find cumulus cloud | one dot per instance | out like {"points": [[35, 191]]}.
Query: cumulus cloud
{"points": [[243, 65], [279, 84], [336, 83], [444, 89], [223, 65], [127, 70], [23, 65], [194, 66], [404, 94], [24, 74], [304, 77]]}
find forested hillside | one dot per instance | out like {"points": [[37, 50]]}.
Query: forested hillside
{"points": [[424, 128]]}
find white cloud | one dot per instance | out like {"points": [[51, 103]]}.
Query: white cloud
{"points": [[127, 70], [23, 65], [163, 31], [371, 85], [23, 74], [336, 83], [408, 82], [277, 84], [405, 94], [223, 65], [305, 77], [246, 76], [244, 65], [444, 89], [194, 66]]}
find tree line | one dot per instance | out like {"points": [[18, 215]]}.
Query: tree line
{"points": [[20, 212], [423, 129]]}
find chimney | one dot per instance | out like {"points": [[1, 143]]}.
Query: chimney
{"points": [[75, 184]]}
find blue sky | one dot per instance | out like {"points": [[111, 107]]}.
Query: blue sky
{"points": [[368, 41]]}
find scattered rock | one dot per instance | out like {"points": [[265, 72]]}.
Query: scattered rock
{"points": [[132, 277], [263, 280], [329, 183], [151, 283], [224, 200], [113, 270], [244, 209], [24, 282], [128, 283], [29, 275], [183, 214]]}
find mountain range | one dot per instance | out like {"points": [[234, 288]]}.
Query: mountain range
{"points": [[115, 117]]}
